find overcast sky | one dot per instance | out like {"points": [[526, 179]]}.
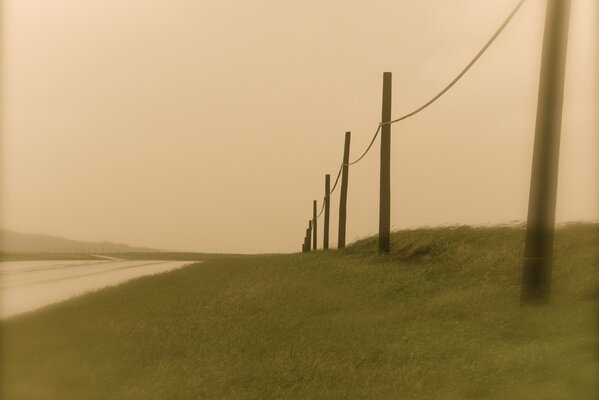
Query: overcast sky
{"points": [[208, 125]]}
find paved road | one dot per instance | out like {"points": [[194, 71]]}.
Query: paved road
{"points": [[29, 285]]}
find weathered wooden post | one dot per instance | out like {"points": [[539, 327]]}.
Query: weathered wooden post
{"points": [[309, 236], [538, 251], [327, 200], [307, 240], [385, 175], [343, 194], [315, 225]]}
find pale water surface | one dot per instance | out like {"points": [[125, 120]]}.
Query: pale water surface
{"points": [[29, 285]]}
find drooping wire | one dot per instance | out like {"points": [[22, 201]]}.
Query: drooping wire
{"points": [[466, 69], [448, 87], [337, 179], [434, 99], [378, 129], [330, 191], [322, 208]]}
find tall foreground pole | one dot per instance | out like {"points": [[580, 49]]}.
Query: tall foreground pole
{"points": [[538, 251], [343, 194], [327, 204], [385, 185], [315, 225]]}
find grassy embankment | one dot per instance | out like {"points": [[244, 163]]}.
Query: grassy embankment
{"points": [[439, 318]]}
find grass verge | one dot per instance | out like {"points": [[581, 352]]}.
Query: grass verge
{"points": [[439, 318]]}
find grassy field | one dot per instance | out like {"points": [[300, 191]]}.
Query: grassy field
{"points": [[439, 318]]}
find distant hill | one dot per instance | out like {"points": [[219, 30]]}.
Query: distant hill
{"points": [[16, 242]]}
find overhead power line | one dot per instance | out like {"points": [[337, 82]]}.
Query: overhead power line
{"points": [[450, 85], [436, 97], [466, 69]]}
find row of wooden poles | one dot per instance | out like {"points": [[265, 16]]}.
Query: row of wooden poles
{"points": [[537, 263], [311, 238]]}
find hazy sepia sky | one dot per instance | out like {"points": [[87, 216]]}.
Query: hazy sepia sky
{"points": [[208, 125]]}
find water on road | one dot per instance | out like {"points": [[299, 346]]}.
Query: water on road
{"points": [[29, 285]]}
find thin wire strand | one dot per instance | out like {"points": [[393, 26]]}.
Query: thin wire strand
{"points": [[331, 191], [322, 208], [465, 70], [434, 99], [448, 87], [367, 149], [336, 179]]}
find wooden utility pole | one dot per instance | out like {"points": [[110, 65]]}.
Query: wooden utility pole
{"points": [[309, 236], [538, 251], [343, 194], [315, 225], [307, 240], [327, 201], [385, 186]]}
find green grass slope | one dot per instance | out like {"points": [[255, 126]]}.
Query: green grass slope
{"points": [[439, 318]]}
